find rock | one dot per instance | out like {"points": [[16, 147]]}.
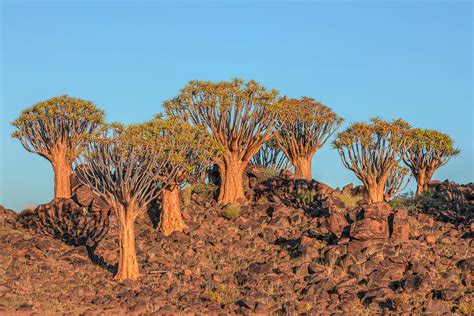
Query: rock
{"points": [[372, 222], [259, 268], [467, 264], [83, 196], [369, 228], [336, 224], [400, 226], [449, 294], [430, 239]]}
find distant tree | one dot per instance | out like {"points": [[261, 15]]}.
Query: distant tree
{"points": [[427, 151], [120, 167], [57, 129], [271, 159], [238, 115], [371, 152], [304, 125], [190, 150], [396, 182]]}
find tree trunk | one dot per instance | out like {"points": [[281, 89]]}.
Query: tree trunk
{"points": [[376, 193], [62, 176], [171, 219], [422, 182], [127, 262], [303, 168], [231, 189]]}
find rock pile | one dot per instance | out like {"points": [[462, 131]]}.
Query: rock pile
{"points": [[459, 201], [308, 254]]}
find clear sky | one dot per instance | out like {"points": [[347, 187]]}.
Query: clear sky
{"points": [[391, 59]]}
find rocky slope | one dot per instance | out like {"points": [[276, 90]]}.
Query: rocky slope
{"points": [[295, 249]]}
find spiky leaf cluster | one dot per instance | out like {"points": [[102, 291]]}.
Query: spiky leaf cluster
{"points": [[60, 121], [239, 115], [119, 164], [304, 125], [188, 149], [370, 150], [428, 147]]}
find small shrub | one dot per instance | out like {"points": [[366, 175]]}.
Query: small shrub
{"points": [[206, 190], [231, 212], [415, 204], [466, 308], [224, 294], [304, 307], [304, 196], [349, 200], [262, 200]]}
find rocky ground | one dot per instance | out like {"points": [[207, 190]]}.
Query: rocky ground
{"points": [[297, 248]]}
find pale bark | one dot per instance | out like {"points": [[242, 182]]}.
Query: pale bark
{"points": [[303, 168], [231, 173], [127, 262], [62, 176], [171, 219], [422, 180], [376, 193]]}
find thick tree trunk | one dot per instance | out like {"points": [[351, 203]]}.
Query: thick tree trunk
{"points": [[62, 177], [127, 262], [231, 172], [171, 219], [303, 168], [422, 181], [376, 193]]}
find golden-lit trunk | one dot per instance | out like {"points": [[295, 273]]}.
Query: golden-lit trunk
{"points": [[127, 261], [62, 177], [231, 172], [376, 193], [171, 219], [303, 168], [422, 181]]}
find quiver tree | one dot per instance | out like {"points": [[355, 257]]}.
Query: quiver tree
{"points": [[396, 182], [427, 150], [271, 159], [304, 125], [371, 151], [190, 150], [57, 129], [120, 168], [239, 116]]}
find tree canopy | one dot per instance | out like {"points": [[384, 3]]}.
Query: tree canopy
{"points": [[189, 149], [370, 150], [427, 151], [59, 120], [238, 115], [304, 125]]}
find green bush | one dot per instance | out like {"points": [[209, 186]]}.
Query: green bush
{"points": [[414, 204], [206, 190], [349, 200], [304, 196], [231, 212]]}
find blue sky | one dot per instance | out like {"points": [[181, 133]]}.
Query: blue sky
{"points": [[390, 59]]}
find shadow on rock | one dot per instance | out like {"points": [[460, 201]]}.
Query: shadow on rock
{"points": [[64, 220]]}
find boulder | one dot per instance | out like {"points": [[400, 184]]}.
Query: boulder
{"points": [[400, 226], [372, 222], [83, 196], [336, 223]]}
